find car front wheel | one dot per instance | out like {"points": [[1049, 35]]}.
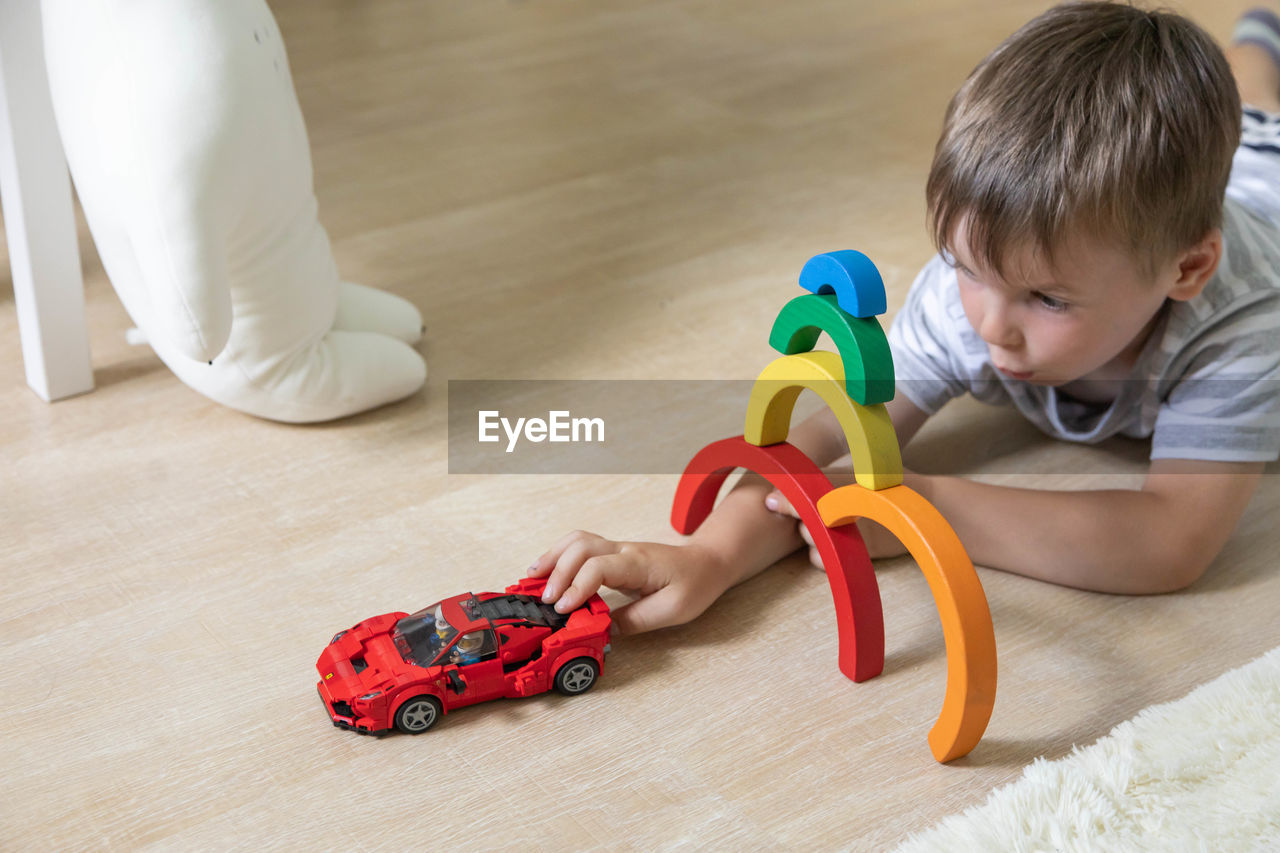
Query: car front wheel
{"points": [[577, 676], [418, 714]]}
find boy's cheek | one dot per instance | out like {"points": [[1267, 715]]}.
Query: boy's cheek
{"points": [[972, 310]]}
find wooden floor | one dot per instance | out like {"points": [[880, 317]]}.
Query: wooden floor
{"points": [[569, 190]]}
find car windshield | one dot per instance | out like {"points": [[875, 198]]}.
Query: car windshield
{"points": [[421, 637]]}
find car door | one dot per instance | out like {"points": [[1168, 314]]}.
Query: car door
{"points": [[475, 654], [519, 643]]}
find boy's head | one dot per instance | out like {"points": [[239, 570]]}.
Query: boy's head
{"points": [[1095, 141]]}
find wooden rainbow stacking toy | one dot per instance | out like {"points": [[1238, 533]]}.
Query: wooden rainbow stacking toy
{"points": [[845, 296]]}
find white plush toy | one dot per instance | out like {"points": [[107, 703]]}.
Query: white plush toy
{"points": [[190, 157]]}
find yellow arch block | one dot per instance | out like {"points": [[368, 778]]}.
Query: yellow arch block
{"points": [[877, 461], [962, 605]]}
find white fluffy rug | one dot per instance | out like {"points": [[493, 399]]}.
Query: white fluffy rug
{"points": [[1201, 773]]}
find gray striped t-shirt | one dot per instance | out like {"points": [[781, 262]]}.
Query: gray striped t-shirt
{"points": [[1206, 386]]}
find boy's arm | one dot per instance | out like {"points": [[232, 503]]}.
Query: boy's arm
{"points": [[1157, 539], [750, 537], [739, 539]]}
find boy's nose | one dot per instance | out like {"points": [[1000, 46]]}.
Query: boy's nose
{"points": [[998, 328]]}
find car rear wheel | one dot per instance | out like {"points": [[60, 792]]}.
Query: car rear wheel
{"points": [[577, 676], [418, 714]]}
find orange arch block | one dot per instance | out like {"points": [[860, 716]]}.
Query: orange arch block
{"points": [[962, 605], [859, 618]]}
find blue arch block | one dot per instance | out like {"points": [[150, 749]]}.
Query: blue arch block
{"points": [[851, 276]]}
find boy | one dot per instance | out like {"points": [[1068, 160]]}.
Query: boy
{"points": [[1089, 273]]}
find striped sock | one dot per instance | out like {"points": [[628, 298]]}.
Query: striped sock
{"points": [[1261, 27]]}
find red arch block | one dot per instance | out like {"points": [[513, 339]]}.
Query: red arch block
{"points": [[859, 618]]}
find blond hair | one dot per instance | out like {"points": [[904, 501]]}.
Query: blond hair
{"points": [[1094, 118]]}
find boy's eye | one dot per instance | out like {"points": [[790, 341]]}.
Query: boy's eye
{"points": [[951, 261], [1049, 302]]}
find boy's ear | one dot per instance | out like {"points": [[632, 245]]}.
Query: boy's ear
{"points": [[1196, 265]]}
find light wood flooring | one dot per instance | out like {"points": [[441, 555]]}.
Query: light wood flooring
{"points": [[570, 190]]}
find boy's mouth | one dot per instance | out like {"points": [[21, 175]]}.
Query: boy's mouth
{"points": [[1014, 374]]}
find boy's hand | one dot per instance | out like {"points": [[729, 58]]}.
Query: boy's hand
{"points": [[675, 583], [879, 541]]}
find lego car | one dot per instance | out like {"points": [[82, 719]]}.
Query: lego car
{"points": [[404, 671]]}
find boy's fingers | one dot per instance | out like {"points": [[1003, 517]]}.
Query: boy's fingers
{"points": [[806, 535], [777, 502], [590, 576], [551, 556], [816, 558], [625, 571], [649, 613], [570, 563], [614, 570], [565, 567]]}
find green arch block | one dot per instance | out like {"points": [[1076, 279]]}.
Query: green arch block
{"points": [[863, 347]]}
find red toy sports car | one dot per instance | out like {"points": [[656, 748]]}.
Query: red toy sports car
{"points": [[406, 670]]}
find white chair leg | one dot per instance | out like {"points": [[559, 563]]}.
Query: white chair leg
{"points": [[48, 287]]}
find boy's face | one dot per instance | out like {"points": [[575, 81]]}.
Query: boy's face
{"points": [[1050, 325]]}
